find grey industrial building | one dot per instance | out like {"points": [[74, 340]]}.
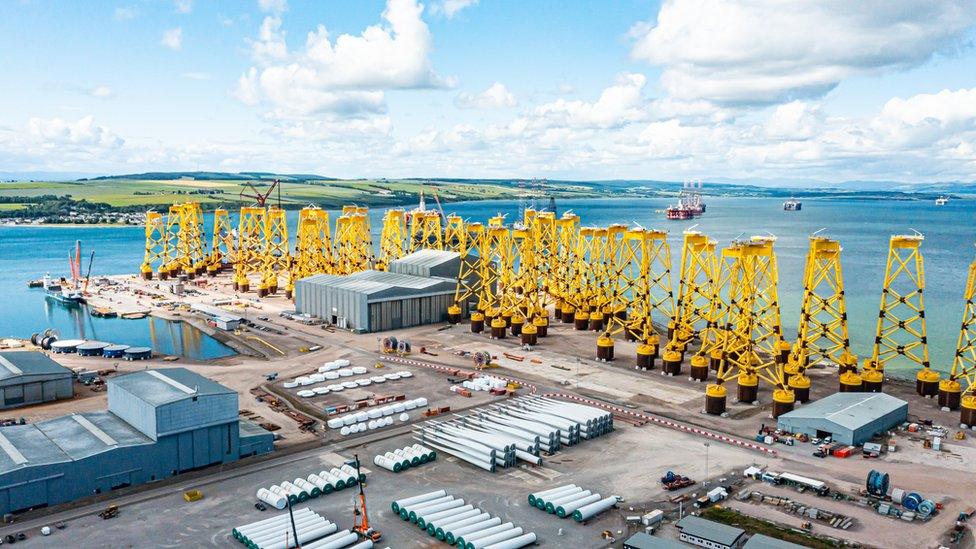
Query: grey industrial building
{"points": [[159, 423], [416, 290], [28, 377], [707, 533], [760, 541], [642, 540], [848, 418]]}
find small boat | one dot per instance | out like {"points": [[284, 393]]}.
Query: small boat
{"points": [[792, 205], [942, 201]]}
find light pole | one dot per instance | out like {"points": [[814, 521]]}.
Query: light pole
{"points": [[707, 444]]}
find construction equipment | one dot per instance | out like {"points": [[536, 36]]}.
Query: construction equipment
{"points": [[192, 495], [360, 514], [109, 512], [901, 320]]}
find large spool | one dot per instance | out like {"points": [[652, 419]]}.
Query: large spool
{"points": [[783, 402], [927, 382], [715, 397], [671, 362], [748, 387], [477, 323], [498, 327], [950, 394], [529, 334], [850, 382], [604, 348], [800, 385], [699, 368]]}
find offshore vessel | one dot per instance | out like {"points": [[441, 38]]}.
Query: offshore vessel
{"points": [[689, 204], [942, 201], [792, 205], [69, 293]]}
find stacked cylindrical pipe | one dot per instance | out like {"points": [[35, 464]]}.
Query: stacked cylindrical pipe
{"points": [[272, 533], [571, 500], [376, 417], [404, 458], [520, 429], [450, 520], [313, 486]]}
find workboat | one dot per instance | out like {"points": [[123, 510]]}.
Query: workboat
{"points": [[792, 205], [690, 204], [59, 292], [942, 201]]}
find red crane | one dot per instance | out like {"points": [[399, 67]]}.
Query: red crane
{"points": [[258, 196]]}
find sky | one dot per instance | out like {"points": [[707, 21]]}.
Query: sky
{"points": [[822, 90]]}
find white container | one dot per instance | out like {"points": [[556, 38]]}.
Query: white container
{"points": [[321, 390], [372, 424], [421, 402], [336, 388], [404, 417], [303, 380], [375, 413], [388, 410], [391, 377], [290, 384], [345, 430], [359, 370], [405, 374], [331, 375], [345, 372], [409, 405], [378, 379], [349, 419], [399, 407], [341, 363], [317, 378], [363, 382], [334, 423], [362, 416], [350, 384], [306, 393]]}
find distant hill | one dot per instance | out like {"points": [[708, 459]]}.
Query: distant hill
{"points": [[214, 176]]}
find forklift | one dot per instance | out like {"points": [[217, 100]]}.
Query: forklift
{"points": [[361, 518]]}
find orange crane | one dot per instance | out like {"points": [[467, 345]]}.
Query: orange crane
{"points": [[361, 518]]}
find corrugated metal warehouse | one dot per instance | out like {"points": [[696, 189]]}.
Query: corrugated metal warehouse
{"points": [[411, 294], [159, 423], [28, 377], [848, 418]]}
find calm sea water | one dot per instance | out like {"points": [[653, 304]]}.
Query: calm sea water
{"points": [[862, 226]]}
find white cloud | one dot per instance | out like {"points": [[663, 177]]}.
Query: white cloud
{"points": [[197, 75], [84, 131], [496, 96], [619, 104], [173, 39], [183, 6], [101, 92], [346, 74], [273, 6], [759, 53], [450, 8], [124, 13]]}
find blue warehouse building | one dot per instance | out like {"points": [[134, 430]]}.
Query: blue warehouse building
{"points": [[159, 423]]}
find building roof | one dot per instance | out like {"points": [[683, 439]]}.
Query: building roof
{"points": [[427, 258], [216, 312], [712, 531], [166, 385], [380, 285], [640, 540], [63, 439], [760, 541], [850, 410], [27, 363]]}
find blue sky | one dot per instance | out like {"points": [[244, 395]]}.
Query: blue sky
{"points": [[467, 88]]}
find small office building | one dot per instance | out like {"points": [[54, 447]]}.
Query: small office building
{"points": [[29, 377], [710, 534], [760, 541], [641, 540]]}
